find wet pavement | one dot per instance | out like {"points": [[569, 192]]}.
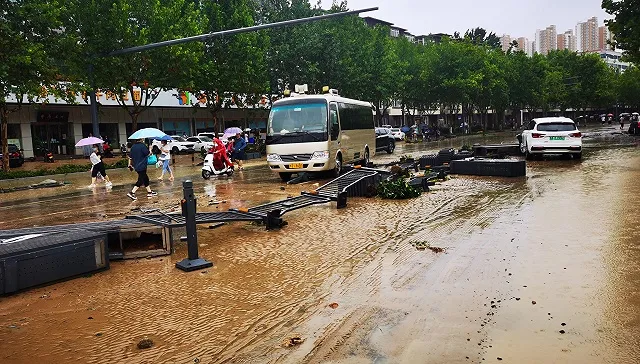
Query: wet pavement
{"points": [[535, 270]]}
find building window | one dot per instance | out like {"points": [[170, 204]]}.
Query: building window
{"points": [[395, 32], [108, 131], [14, 135]]}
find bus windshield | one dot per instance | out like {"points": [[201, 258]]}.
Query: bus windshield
{"points": [[296, 119]]}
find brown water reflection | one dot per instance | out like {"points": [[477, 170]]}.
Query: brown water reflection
{"points": [[507, 241]]}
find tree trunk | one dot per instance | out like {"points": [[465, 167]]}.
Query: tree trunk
{"points": [[134, 121], [3, 135]]}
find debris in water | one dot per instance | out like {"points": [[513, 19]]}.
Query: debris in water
{"points": [[533, 302], [281, 188], [499, 358], [562, 331], [145, 343], [422, 245], [333, 305], [293, 340], [563, 324]]}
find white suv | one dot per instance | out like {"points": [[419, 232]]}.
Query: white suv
{"points": [[177, 145], [551, 136], [201, 143]]}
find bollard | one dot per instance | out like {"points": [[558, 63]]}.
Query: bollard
{"points": [[193, 261], [274, 220], [341, 202]]}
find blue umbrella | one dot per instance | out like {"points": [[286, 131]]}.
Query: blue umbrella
{"points": [[164, 137], [405, 129], [147, 133]]}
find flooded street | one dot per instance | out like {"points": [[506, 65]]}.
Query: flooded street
{"points": [[542, 269]]}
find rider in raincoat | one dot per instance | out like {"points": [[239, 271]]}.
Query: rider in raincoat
{"points": [[220, 157]]}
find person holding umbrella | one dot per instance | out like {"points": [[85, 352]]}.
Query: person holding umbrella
{"points": [[97, 168], [138, 159], [138, 162]]}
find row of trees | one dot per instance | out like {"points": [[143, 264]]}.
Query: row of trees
{"points": [[56, 43]]}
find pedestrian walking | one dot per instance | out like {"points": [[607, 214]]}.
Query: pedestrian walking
{"points": [[138, 161], [622, 122], [238, 150], [97, 168], [165, 157]]}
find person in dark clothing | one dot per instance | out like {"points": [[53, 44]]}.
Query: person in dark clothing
{"points": [[138, 162], [238, 150]]}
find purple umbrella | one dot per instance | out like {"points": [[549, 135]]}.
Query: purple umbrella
{"points": [[89, 141]]}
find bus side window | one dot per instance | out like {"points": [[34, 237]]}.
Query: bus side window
{"points": [[333, 117]]}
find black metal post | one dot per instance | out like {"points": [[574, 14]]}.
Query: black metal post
{"points": [[193, 261], [342, 200]]}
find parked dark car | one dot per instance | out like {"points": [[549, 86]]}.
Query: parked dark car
{"points": [[16, 159], [385, 140]]}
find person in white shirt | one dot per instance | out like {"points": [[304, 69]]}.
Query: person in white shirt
{"points": [[165, 157], [97, 168]]}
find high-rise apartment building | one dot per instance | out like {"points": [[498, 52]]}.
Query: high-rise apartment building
{"points": [[561, 43], [567, 41], [505, 42], [604, 37], [525, 45], [587, 35], [546, 40]]}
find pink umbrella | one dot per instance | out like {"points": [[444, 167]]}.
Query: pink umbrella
{"points": [[89, 141]]}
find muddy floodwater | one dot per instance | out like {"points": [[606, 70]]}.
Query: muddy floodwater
{"points": [[542, 269]]}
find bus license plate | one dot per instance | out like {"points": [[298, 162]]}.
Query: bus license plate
{"points": [[556, 138], [295, 166]]}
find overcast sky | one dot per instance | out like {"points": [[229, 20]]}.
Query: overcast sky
{"points": [[514, 17]]}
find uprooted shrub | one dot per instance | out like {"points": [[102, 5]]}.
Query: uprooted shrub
{"points": [[397, 190]]}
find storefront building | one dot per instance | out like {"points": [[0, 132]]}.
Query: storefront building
{"points": [[56, 126]]}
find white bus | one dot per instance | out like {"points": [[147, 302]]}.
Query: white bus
{"points": [[315, 133]]}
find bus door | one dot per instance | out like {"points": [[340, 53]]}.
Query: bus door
{"points": [[334, 127]]}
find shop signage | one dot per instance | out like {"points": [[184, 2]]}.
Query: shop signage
{"points": [[53, 116]]}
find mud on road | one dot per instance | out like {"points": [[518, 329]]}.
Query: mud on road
{"points": [[542, 269]]}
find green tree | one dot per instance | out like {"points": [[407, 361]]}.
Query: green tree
{"points": [[625, 26], [233, 70], [134, 80], [628, 87], [31, 45], [479, 36]]}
